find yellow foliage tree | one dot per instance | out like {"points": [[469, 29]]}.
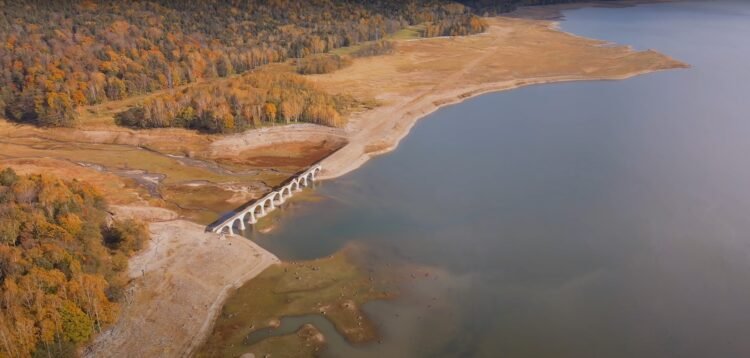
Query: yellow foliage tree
{"points": [[270, 111]]}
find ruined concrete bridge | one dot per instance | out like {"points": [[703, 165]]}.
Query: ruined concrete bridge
{"points": [[251, 212]]}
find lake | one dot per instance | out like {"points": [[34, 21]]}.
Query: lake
{"points": [[589, 219]]}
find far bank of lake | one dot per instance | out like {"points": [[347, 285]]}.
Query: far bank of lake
{"points": [[568, 220]]}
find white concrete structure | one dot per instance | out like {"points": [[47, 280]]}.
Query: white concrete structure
{"points": [[268, 203]]}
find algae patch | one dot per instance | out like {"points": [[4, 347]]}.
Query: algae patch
{"points": [[333, 287]]}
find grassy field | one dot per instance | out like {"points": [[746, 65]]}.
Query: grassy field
{"points": [[407, 33]]}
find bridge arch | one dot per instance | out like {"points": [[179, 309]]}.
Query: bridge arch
{"points": [[241, 223], [259, 210], [302, 180], [227, 228], [251, 214], [268, 200], [278, 196]]}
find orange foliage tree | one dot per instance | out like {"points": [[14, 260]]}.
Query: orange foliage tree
{"points": [[59, 274]]}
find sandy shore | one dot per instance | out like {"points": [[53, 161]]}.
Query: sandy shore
{"points": [[180, 283], [566, 57], [397, 122]]}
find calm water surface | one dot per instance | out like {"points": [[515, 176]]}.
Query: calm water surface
{"points": [[592, 219]]}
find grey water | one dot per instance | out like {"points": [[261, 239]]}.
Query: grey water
{"points": [[589, 219]]}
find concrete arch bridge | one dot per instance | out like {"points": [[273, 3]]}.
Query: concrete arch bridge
{"points": [[250, 213]]}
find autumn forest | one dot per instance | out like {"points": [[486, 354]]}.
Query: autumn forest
{"points": [[60, 55], [63, 263]]}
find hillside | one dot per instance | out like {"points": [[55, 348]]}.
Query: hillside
{"points": [[60, 55]]}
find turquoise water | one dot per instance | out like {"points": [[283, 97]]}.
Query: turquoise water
{"points": [[591, 219]]}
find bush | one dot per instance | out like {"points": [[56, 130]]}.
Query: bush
{"points": [[7, 177], [127, 236], [320, 64], [376, 48], [132, 117]]}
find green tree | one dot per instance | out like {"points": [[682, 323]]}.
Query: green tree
{"points": [[7, 177], [77, 327]]}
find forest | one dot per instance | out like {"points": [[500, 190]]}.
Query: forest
{"points": [[249, 101], [62, 264], [56, 56]]}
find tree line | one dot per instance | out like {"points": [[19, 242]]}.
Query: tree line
{"points": [[375, 48], [62, 264], [248, 101], [58, 55]]}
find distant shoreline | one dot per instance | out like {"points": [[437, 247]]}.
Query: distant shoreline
{"points": [[341, 162], [395, 123]]}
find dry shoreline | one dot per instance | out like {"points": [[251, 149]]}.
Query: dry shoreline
{"points": [[180, 283], [355, 153], [387, 125]]}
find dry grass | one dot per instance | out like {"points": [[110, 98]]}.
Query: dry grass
{"points": [[512, 49], [103, 158]]}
